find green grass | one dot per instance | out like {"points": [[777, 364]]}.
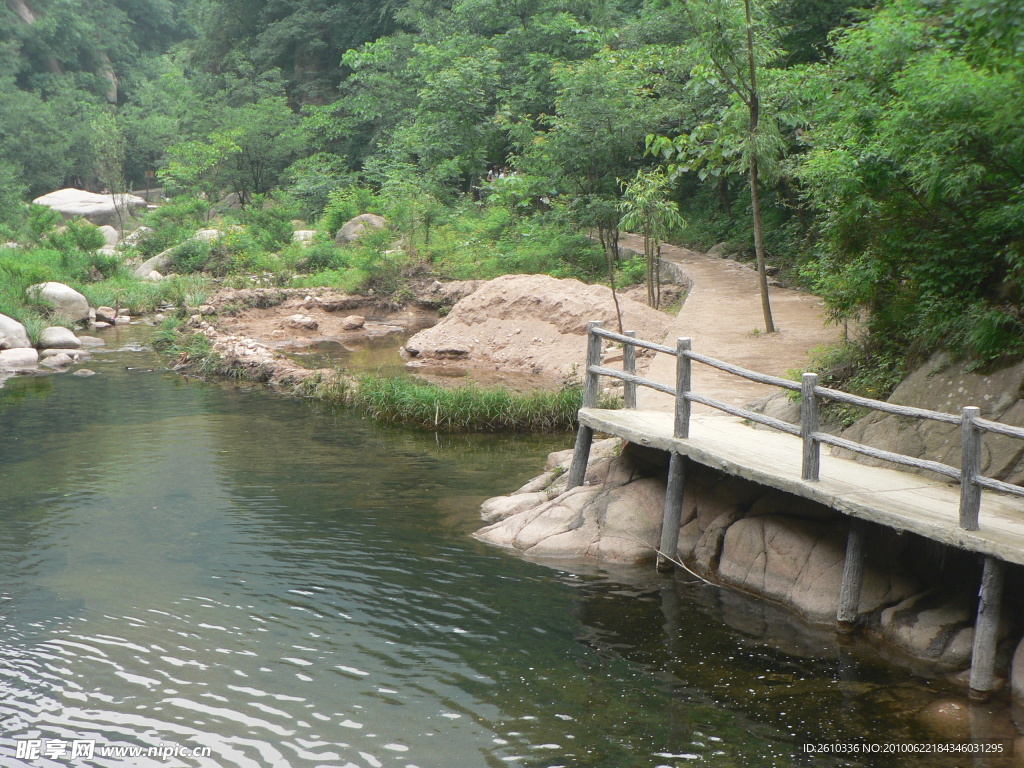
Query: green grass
{"points": [[466, 409]]}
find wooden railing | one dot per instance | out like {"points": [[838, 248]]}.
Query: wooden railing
{"points": [[972, 426]]}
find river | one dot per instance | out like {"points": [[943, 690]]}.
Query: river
{"points": [[195, 565]]}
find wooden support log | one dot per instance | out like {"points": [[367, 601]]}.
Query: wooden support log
{"points": [[629, 366], [986, 628], [853, 578], [970, 468], [668, 549], [809, 426], [682, 422], [580, 457]]}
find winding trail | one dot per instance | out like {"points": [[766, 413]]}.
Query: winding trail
{"points": [[722, 314]]}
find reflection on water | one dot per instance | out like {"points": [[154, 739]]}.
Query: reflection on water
{"points": [[290, 586]]}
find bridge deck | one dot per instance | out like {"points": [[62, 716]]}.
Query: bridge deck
{"points": [[893, 498]]}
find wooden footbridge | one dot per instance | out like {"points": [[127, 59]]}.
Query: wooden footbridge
{"points": [[953, 511]]}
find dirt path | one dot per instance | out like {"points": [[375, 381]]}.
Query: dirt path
{"points": [[722, 314]]}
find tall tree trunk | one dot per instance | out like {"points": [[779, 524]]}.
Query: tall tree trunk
{"points": [[754, 105], [610, 244]]}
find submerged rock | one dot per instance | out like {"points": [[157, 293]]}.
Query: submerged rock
{"points": [[18, 359]]}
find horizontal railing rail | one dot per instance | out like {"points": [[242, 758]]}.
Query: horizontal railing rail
{"points": [[972, 426]]}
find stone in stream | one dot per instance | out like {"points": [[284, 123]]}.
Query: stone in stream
{"points": [[13, 334], [84, 372], [60, 360], [105, 314], [58, 337], [18, 359]]}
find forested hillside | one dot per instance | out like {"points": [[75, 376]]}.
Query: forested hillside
{"points": [[883, 144]]}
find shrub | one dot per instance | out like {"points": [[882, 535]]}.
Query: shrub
{"points": [[191, 256], [322, 256], [345, 204]]}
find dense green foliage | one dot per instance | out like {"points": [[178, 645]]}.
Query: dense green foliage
{"points": [[887, 142]]}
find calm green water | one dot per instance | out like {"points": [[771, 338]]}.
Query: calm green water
{"points": [[192, 564]]}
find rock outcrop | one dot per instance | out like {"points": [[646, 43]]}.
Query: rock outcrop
{"points": [[101, 210], [359, 226], [736, 533], [549, 334], [942, 385]]}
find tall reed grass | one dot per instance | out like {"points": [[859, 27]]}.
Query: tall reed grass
{"points": [[468, 408]]}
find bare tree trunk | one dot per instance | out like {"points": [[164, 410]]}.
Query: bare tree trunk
{"points": [[754, 105], [610, 243]]}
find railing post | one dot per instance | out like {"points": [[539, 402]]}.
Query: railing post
{"points": [[629, 366], [970, 468], [683, 365], [808, 426], [585, 435], [591, 382]]}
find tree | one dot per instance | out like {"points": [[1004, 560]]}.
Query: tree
{"points": [[916, 177], [646, 208], [737, 44]]}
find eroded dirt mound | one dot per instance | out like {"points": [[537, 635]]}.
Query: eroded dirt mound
{"points": [[531, 323]]}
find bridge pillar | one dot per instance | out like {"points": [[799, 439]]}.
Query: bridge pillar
{"points": [[986, 627], [668, 550], [580, 457], [853, 578]]}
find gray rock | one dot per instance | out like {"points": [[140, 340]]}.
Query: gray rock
{"points": [[84, 372], [62, 360], [66, 301], [98, 209], [722, 251], [353, 322], [57, 337], [357, 227], [932, 626], [799, 563], [615, 519], [158, 263], [136, 236], [105, 314], [304, 236], [110, 235], [75, 354], [18, 359], [1017, 673], [154, 277], [92, 341], [303, 322], [13, 334], [946, 386], [122, 320]]}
